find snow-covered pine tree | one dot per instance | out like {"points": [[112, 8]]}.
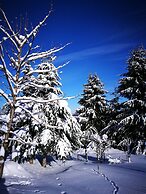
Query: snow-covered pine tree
{"points": [[59, 132], [92, 111], [16, 52], [64, 136], [132, 120], [44, 85], [113, 110]]}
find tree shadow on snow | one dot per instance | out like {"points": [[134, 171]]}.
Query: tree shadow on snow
{"points": [[94, 159], [49, 159], [3, 187]]}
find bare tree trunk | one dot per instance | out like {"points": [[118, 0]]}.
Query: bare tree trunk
{"points": [[86, 155], [44, 161], [1, 166], [128, 155], [4, 156], [31, 159], [98, 155]]}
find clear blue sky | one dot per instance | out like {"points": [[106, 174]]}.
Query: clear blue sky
{"points": [[102, 34]]}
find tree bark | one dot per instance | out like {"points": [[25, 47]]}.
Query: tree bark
{"points": [[86, 155], [31, 159], [4, 157], [44, 162], [1, 166]]}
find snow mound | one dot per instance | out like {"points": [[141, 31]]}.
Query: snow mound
{"points": [[114, 160], [114, 151], [15, 170], [115, 156]]}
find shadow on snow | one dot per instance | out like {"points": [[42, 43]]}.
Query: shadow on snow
{"points": [[3, 187]]}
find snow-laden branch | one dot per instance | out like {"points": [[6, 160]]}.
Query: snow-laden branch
{"points": [[34, 32], [1, 67], [24, 58], [31, 114], [47, 70], [12, 78], [5, 70], [31, 99], [38, 120], [61, 66], [35, 85], [127, 120], [9, 36], [2, 93], [131, 103], [35, 56], [19, 39], [19, 139], [10, 28]]}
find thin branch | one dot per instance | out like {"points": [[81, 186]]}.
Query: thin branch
{"points": [[31, 114], [9, 26], [47, 71], [35, 85], [27, 53], [26, 110], [35, 56], [35, 30], [6, 73], [31, 99], [19, 139], [9, 36], [2, 93]]}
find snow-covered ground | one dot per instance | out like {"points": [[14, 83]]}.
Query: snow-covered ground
{"points": [[77, 176]]}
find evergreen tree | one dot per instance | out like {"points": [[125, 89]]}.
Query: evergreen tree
{"points": [[93, 107], [113, 110], [16, 52], [64, 134], [132, 119], [58, 131], [93, 103]]}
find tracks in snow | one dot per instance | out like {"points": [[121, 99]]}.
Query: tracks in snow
{"points": [[114, 185]]}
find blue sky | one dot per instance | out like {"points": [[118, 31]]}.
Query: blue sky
{"points": [[102, 35]]}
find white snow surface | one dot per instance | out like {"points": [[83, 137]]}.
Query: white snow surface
{"points": [[13, 169], [76, 176]]}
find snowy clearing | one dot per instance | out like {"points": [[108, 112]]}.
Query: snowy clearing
{"points": [[77, 176]]}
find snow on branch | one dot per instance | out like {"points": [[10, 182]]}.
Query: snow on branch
{"points": [[47, 70], [61, 66], [38, 120], [4, 128], [31, 114], [31, 99], [19, 139], [6, 72], [2, 93], [127, 120], [12, 78], [131, 103], [35, 56], [34, 32], [35, 85], [10, 28], [19, 40], [1, 67], [23, 62], [9, 36]]}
